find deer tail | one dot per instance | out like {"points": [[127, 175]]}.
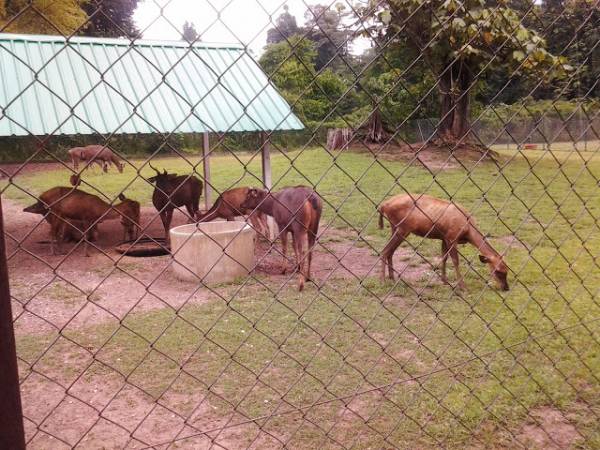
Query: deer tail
{"points": [[380, 219]]}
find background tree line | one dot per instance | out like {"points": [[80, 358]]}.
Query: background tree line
{"points": [[432, 58], [444, 59]]}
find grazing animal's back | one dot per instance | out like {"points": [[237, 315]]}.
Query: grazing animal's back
{"points": [[294, 199], [228, 205], [425, 215], [74, 203]]}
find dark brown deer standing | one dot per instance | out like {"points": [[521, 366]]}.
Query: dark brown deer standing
{"points": [[172, 191], [229, 206], [435, 218], [296, 210], [98, 154]]}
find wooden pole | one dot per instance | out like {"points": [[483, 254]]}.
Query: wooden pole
{"points": [[206, 165], [267, 179], [12, 433]]}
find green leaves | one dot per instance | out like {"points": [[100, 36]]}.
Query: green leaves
{"points": [[518, 55], [64, 16], [385, 17]]}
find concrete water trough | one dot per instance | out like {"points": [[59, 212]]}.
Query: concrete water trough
{"points": [[212, 252]]}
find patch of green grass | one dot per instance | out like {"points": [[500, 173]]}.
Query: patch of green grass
{"points": [[455, 365], [327, 344]]}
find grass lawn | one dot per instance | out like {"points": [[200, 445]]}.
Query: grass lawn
{"points": [[454, 370]]}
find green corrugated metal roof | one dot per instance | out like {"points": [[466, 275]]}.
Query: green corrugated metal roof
{"points": [[91, 85]]}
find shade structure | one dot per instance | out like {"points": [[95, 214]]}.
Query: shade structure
{"points": [[50, 85]]}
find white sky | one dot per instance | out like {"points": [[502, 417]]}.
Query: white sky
{"points": [[241, 21]]}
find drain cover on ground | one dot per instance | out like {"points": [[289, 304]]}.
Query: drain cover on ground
{"points": [[143, 247]]}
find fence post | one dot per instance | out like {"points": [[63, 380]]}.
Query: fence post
{"points": [[206, 165], [266, 176], [12, 434]]}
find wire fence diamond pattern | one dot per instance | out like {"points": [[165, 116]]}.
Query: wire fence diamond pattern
{"points": [[471, 107]]}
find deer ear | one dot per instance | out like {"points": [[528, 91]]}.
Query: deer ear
{"points": [[122, 197], [484, 259]]}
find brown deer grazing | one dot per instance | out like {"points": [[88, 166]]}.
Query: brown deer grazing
{"points": [[98, 154], [296, 210], [78, 208], [435, 218], [229, 206], [172, 191]]}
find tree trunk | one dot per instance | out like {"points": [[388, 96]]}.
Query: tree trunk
{"points": [[376, 133], [446, 104], [455, 84], [460, 125]]}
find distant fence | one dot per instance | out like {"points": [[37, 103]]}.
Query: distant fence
{"points": [[516, 132]]}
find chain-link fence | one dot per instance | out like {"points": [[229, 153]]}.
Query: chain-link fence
{"points": [[152, 181]]}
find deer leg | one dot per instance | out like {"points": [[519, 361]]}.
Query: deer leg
{"points": [[85, 229], [284, 238], [264, 226], [255, 223], [167, 217], [191, 214], [444, 259], [454, 256], [299, 238], [387, 255], [312, 237], [168, 225], [53, 234]]}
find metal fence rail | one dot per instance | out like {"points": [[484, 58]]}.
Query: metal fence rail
{"points": [[486, 112]]}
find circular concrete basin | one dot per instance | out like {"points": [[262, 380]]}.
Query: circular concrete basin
{"points": [[212, 252]]}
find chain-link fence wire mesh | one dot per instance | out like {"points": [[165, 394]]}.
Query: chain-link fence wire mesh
{"points": [[119, 352]]}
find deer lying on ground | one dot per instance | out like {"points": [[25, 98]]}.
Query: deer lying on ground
{"points": [[172, 191], [435, 218], [229, 206], [98, 154], [68, 206], [296, 210]]}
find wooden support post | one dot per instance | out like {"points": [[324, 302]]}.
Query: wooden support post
{"points": [[206, 164], [267, 179], [12, 434]]}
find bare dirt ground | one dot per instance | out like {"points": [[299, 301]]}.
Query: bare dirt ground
{"points": [[551, 430], [431, 156], [119, 282], [70, 291]]}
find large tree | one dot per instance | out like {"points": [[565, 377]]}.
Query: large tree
{"points": [[455, 40], [315, 95], [324, 26], [110, 18], [572, 28], [42, 16], [285, 27]]}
